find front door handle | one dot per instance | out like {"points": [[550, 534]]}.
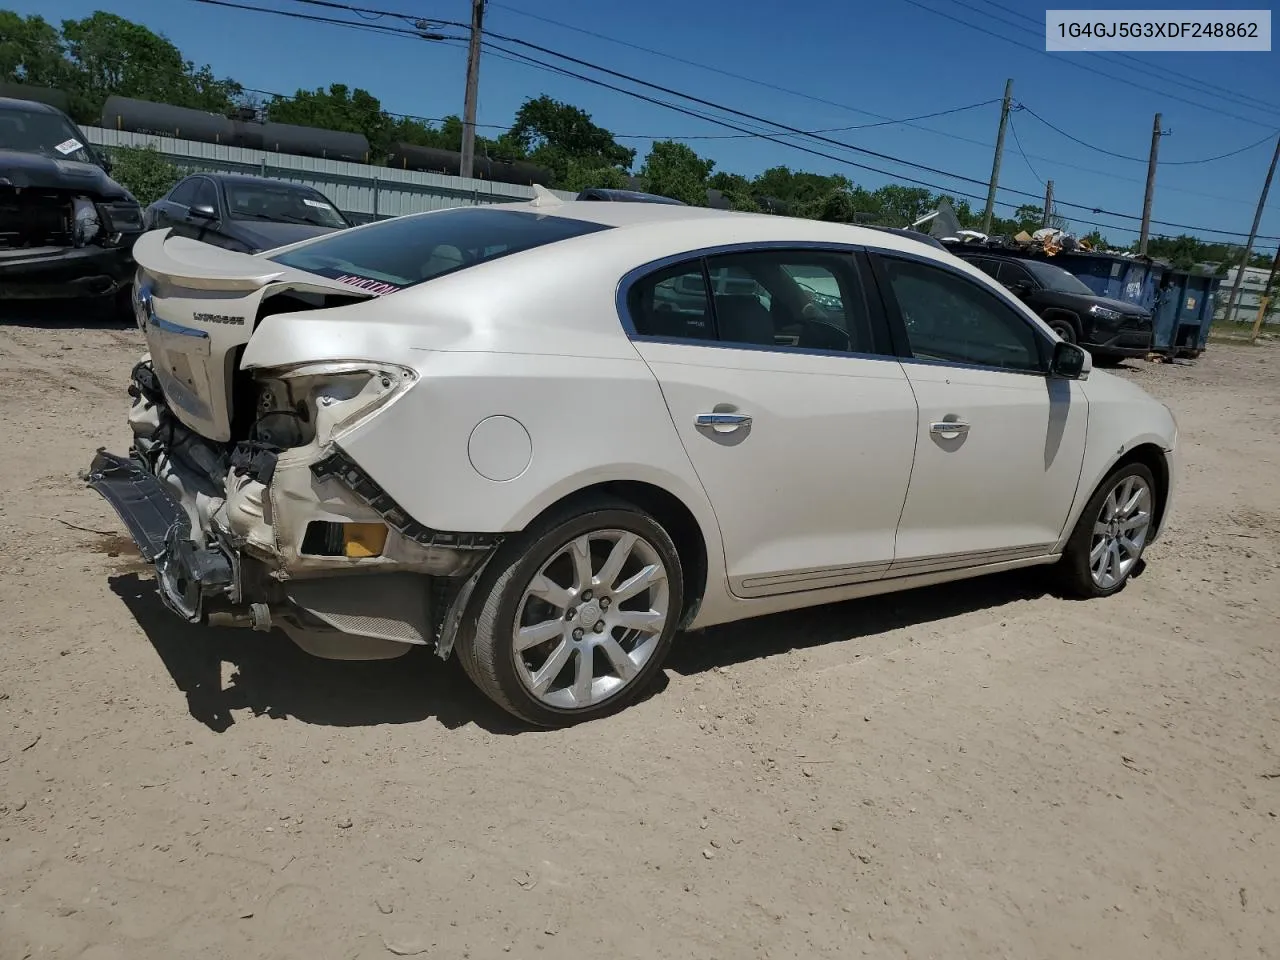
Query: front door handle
{"points": [[722, 422], [948, 428]]}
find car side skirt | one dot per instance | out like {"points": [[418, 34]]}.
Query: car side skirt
{"points": [[725, 608]]}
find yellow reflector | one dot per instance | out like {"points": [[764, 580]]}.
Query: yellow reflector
{"points": [[363, 539]]}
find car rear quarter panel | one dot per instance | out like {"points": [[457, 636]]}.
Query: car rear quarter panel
{"points": [[534, 340]]}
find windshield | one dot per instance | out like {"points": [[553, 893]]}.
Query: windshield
{"points": [[1055, 278], [282, 202], [46, 134], [386, 256]]}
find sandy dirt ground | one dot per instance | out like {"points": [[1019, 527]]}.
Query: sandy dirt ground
{"points": [[980, 770]]}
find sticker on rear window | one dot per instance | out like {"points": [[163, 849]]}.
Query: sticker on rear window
{"points": [[69, 146], [376, 287]]}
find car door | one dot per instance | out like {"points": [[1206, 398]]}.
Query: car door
{"points": [[196, 225], [1000, 443], [1017, 279], [170, 210], [800, 424]]}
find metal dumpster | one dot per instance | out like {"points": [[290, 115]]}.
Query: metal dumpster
{"points": [[1130, 279], [1184, 312]]}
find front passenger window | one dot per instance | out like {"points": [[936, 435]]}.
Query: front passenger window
{"points": [[953, 320]]}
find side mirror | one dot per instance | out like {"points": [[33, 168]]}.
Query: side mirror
{"points": [[204, 211], [104, 161], [1070, 362]]}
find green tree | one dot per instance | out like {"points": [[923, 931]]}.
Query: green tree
{"points": [[555, 135], [111, 55], [338, 108], [578, 176], [673, 170], [736, 189], [798, 189], [144, 171], [31, 51]]}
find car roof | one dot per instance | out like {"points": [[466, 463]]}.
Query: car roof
{"points": [[30, 106], [798, 229], [248, 180]]}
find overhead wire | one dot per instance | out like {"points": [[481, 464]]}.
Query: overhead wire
{"points": [[1093, 70], [1121, 156], [773, 136], [1022, 153], [1164, 74]]}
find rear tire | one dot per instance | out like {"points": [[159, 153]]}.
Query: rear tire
{"points": [[1106, 546], [574, 617]]}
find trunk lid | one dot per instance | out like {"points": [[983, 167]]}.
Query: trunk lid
{"points": [[198, 305]]}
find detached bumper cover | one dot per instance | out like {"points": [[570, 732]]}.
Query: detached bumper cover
{"points": [[187, 574], [139, 498]]}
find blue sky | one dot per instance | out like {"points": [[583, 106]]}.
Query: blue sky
{"points": [[888, 58]]}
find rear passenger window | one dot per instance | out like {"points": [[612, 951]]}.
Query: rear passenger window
{"points": [[672, 303], [809, 300]]}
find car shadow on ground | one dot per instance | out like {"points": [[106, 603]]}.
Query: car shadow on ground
{"points": [[272, 677], [851, 620]]}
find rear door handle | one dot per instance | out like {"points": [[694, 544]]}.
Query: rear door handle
{"points": [[722, 422], [944, 428]]}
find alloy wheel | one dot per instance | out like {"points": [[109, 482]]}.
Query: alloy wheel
{"points": [[1120, 532], [590, 619]]}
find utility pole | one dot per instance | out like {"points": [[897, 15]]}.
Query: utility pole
{"points": [[1151, 188], [1253, 233], [1048, 203], [1266, 297], [995, 164], [467, 163]]}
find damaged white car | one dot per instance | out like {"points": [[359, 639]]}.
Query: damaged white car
{"points": [[547, 436]]}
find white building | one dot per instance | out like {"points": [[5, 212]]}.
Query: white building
{"points": [[1255, 280]]}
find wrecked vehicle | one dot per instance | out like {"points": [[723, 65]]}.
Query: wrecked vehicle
{"points": [[549, 435], [66, 228]]}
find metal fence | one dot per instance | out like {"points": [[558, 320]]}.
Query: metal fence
{"points": [[361, 191]]}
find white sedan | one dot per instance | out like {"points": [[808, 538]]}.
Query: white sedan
{"points": [[548, 436]]}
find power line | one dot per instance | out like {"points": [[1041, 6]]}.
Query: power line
{"points": [[1018, 143], [1121, 156], [1060, 60], [737, 76], [1163, 74], [737, 113], [856, 126]]}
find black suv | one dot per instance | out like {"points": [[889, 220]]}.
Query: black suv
{"points": [[66, 228], [1109, 329]]}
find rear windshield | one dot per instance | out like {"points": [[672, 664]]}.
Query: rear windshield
{"points": [[394, 254]]}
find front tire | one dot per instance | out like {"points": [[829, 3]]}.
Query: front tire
{"points": [[1063, 328], [1106, 546], [575, 616]]}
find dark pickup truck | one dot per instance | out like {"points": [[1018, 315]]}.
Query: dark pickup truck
{"points": [[66, 228], [1109, 329]]}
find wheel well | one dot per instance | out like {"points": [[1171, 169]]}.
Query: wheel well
{"points": [[675, 518], [1151, 457], [1056, 313]]}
